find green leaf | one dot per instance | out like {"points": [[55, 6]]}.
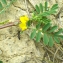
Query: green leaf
{"points": [[5, 6], [4, 22], [41, 7], [53, 29], [1, 6], [49, 12], [45, 20], [46, 27], [38, 36], [4, 2], [46, 8], [58, 32], [46, 13], [60, 36], [33, 34], [34, 14], [38, 25], [1, 62], [37, 9], [51, 41], [52, 12], [54, 7], [56, 40], [29, 23], [45, 39]]}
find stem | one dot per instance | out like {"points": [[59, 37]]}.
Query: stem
{"points": [[8, 25]]}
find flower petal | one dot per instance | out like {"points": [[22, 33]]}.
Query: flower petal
{"points": [[23, 26], [24, 19]]}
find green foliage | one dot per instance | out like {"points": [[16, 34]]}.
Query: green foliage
{"points": [[55, 6], [4, 5], [49, 34], [44, 30], [45, 39], [46, 27], [1, 62], [58, 32], [4, 22], [53, 29], [41, 12], [41, 7], [33, 34], [56, 39], [4, 2], [38, 36], [1, 6], [37, 9], [46, 6], [51, 42], [38, 25]]}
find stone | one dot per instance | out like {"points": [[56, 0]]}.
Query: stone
{"points": [[15, 50]]}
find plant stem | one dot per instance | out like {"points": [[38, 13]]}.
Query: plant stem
{"points": [[8, 25]]}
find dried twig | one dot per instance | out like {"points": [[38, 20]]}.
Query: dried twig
{"points": [[51, 52], [55, 53], [48, 56]]}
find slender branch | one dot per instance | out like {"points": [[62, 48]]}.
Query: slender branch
{"points": [[55, 54], [9, 24], [60, 58]]}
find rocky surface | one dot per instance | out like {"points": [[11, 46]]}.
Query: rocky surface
{"points": [[13, 50]]}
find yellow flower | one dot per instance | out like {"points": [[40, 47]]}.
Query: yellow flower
{"points": [[23, 22], [23, 26], [24, 19]]}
